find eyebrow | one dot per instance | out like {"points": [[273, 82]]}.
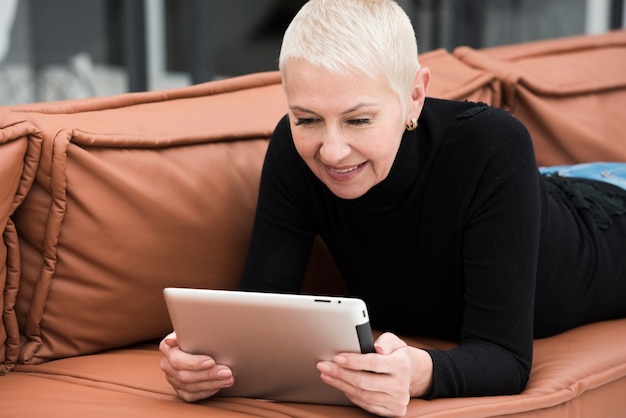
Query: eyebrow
{"points": [[352, 109]]}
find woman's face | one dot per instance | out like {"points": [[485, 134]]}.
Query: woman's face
{"points": [[347, 128]]}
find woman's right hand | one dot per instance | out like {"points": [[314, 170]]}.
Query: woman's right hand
{"points": [[194, 377]]}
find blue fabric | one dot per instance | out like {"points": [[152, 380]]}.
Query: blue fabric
{"points": [[613, 173]]}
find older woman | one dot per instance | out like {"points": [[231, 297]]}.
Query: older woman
{"points": [[434, 212]]}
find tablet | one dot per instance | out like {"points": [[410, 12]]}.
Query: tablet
{"points": [[272, 342]]}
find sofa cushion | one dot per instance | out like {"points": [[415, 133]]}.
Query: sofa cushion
{"points": [[569, 92], [577, 373], [454, 79], [19, 149], [133, 195], [141, 191]]}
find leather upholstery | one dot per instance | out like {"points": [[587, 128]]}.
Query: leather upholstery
{"points": [[105, 201]]}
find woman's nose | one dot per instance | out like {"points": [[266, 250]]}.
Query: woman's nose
{"points": [[334, 148]]}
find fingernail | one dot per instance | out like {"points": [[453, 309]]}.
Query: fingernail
{"points": [[208, 364], [341, 360], [323, 367]]}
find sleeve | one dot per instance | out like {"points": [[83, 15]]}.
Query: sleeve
{"points": [[283, 230], [500, 251]]}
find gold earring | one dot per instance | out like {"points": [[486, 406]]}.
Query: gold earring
{"points": [[413, 125]]}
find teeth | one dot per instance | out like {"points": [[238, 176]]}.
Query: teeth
{"points": [[346, 170]]}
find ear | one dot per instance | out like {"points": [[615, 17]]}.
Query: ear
{"points": [[418, 94], [422, 79]]}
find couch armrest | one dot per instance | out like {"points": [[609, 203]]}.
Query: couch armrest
{"points": [[20, 146]]}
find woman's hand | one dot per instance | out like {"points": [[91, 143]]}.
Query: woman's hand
{"points": [[194, 377], [382, 382]]}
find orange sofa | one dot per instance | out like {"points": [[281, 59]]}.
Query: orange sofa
{"points": [[106, 201]]}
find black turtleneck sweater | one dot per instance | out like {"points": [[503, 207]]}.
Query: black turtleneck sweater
{"points": [[464, 240]]}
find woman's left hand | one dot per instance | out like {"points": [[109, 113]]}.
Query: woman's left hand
{"points": [[382, 382]]}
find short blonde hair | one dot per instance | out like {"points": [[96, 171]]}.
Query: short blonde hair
{"points": [[374, 37]]}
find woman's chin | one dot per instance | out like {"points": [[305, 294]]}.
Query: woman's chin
{"points": [[347, 191]]}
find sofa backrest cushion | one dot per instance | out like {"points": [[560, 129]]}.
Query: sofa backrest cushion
{"points": [[451, 78], [19, 155], [131, 198], [141, 191], [569, 92]]}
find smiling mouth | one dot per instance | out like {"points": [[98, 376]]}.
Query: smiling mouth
{"points": [[344, 170], [344, 174]]}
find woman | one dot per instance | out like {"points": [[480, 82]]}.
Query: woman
{"points": [[441, 201]]}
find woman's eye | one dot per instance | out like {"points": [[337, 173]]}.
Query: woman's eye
{"points": [[305, 121], [360, 121]]}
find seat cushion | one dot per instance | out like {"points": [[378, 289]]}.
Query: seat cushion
{"points": [[582, 370]]}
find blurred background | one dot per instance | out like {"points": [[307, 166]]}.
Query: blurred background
{"points": [[63, 49]]}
